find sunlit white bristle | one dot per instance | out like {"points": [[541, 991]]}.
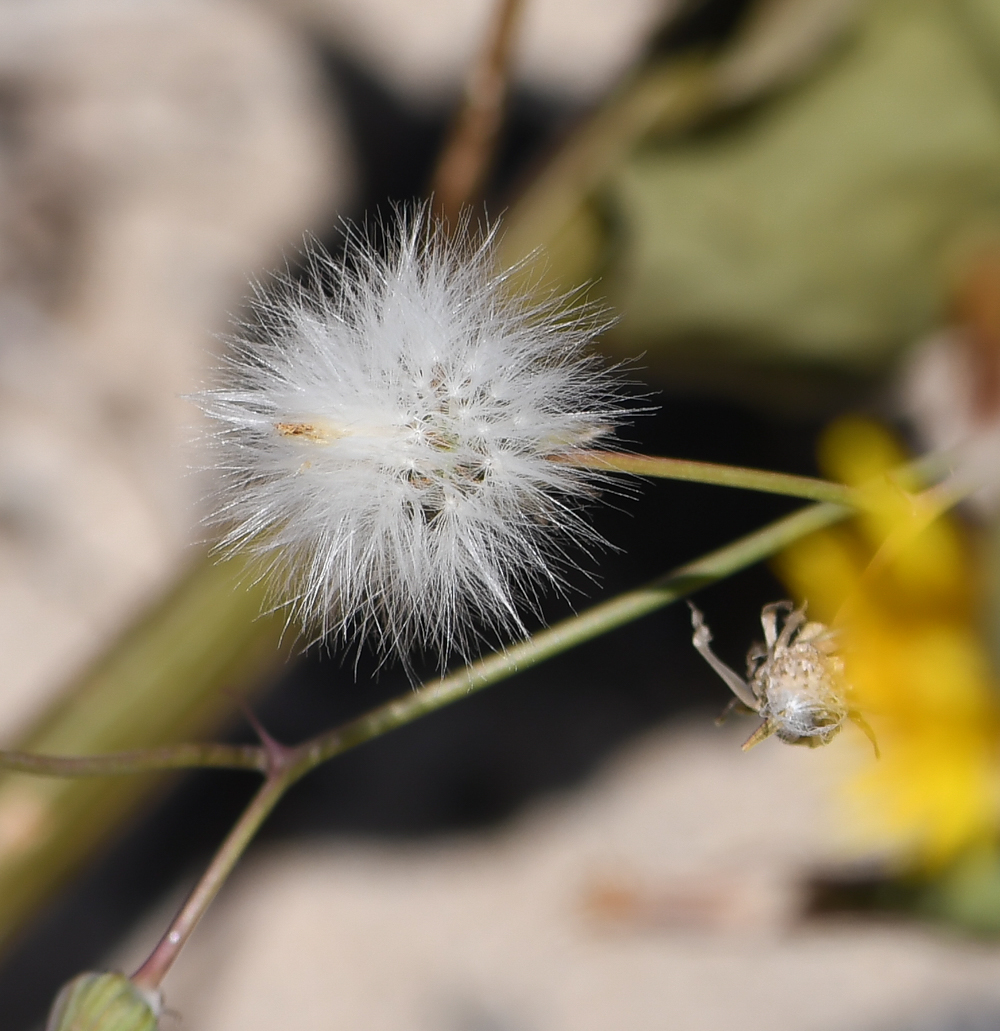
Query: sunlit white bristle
{"points": [[392, 434]]}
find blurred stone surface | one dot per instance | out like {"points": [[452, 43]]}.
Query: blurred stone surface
{"points": [[573, 48], [518, 927], [152, 157]]}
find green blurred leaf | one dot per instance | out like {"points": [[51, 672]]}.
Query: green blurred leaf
{"points": [[804, 226], [168, 679]]}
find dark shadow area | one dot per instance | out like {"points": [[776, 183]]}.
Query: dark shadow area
{"points": [[395, 142], [701, 24]]}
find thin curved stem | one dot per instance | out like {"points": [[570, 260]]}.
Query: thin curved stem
{"points": [[169, 757], [287, 765], [150, 975], [808, 487], [547, 643], [600, 619], [593, 622], [597, 620], [284, 765]]}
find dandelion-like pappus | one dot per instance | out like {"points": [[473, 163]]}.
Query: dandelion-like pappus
{"points": [[396, 435], [795, 680]]}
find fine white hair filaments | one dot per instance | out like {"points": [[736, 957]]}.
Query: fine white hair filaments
{"points": [[395, 436], [795, 680]]}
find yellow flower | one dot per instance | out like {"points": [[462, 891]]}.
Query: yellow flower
{"points": [[917, 667]]}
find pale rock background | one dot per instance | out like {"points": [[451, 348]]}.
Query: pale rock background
{"points": [[153, 156], [576, 49]]}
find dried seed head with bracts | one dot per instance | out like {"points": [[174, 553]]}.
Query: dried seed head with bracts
{"points": [[395, 435], [795, 680]]}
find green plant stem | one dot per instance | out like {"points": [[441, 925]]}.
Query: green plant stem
{"points": [[600, 619], [169, 757], [722, 475], [549, 642], [287, 765], [595, 621]]}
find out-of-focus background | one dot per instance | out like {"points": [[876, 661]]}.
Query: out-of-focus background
{"points": [[579, 847]]}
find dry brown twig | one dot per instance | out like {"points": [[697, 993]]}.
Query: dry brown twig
{"points": [[468, 152]]}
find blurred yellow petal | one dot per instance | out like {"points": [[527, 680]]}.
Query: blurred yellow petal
{"points": [[914, 659]]}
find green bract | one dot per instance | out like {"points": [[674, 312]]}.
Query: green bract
{"points": [[103, 1002]]}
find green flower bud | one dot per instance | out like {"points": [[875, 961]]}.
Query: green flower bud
{"points": [[104, 1002]]}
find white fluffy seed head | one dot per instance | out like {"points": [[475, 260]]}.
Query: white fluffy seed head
{"points": [[392, 435]]}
